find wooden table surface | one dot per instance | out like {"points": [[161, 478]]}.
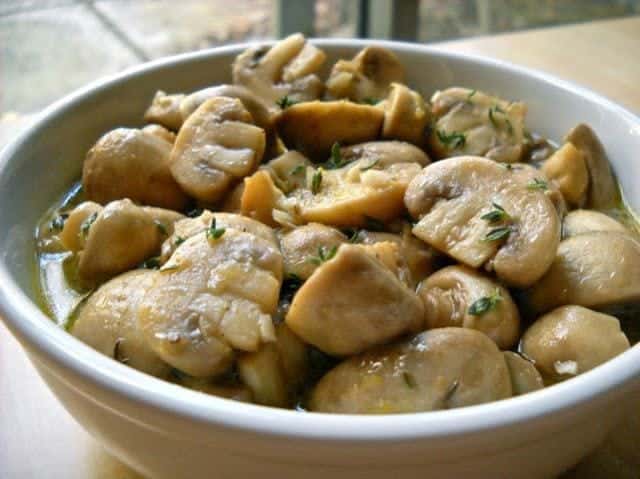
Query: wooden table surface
{"points": [[39, 439]]}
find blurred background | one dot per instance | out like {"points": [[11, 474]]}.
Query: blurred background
{"points": [[50, 47]]}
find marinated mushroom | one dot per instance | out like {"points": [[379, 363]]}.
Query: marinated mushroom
{"points": [[107, 322], [476, 211], [74, 232], [161, 132], [353, 302], [439, 369], [367, 77], [595, 269], [130, 163], [462, 297], [470, 122], [214, 295], [571, 340], [525, 377], [287, 69], [405, 116], [312, 128], [567, 168], [603, 192], [579, 222], [165, 110], [217, 145]]}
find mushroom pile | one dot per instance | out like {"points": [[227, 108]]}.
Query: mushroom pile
{"points": [[344, 244]]}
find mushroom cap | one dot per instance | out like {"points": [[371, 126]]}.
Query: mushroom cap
{"points": [[405, 116], [130, 163], [353, 302], [578, 222], [217, 145], [165, 110], [313, 127], [437, 369], [449, 294], [571, 340], [568, 170], [161, 132], [450, 198], [595, 269], [108, 323], [525, 377], [470, 122]]}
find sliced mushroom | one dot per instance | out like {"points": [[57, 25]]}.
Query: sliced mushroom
{"points": [[121, 236], [303, 247], [593, 270], [286, 69], [130, 163], [438, 369], [587, 221], [405, 116], [603, 192], [478, 212], [165, 110], [572, 340], [567, 168], [351, 303], [289, 170], [470, 122], [462, 297], [76, 227], [367, 77], [525, 378], [108, 323], [214, 295], [370, 185], [260, 197], [217, 145], [535, 179], [313, 127], [161, 132]]}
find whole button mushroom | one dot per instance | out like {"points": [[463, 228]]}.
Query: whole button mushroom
{"points": [[462, 297], [470, 122], [353, 302], [571, 340], [587, 221], [525, 378], [438, 369], [130, 163], [594, 270], [481, 214], [217, 145], [367, 77], [107, 322]]}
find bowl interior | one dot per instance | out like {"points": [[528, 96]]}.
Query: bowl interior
{"points": [[41, 165]]}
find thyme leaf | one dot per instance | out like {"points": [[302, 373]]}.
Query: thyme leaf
{"points": [[316, 182], [537, 184], [497, 234], [285, 102], [451, 140], [214, 233], [336, 160], [496, 215], [323, 255], [485, 304], [161, 227]]}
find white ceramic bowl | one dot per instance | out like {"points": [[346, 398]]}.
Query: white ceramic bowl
{"points": [[165, 431]]}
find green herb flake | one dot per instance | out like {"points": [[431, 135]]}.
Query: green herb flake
{"points": [[354, 235], [409, 380], [285, 102], [214, 233], [498, 234], [323, 255], [451, 140], [373, 164], [336, 161], [86, 224], [316, 182], [161, 227], [297, 170], [496, 215], [538, 184], [485, 304], [179, 240]]}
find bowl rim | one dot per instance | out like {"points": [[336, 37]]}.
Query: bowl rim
{"points": [[27, 321]]}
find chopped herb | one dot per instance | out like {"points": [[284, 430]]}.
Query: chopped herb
{"points": [[470, 95], [537, 184], [151, 263], [214, 233], [484, 304], [316, 182], [370, 100], [373, 224], [286, 102], [369, 166], [161, 227], [323, 255], [116, 352], [86, 224], [57, 223], [179, 240], [297, 170], [353, 234], [496, 215], [336, 160], [451, 140], [409, 380], [496, 234]]}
